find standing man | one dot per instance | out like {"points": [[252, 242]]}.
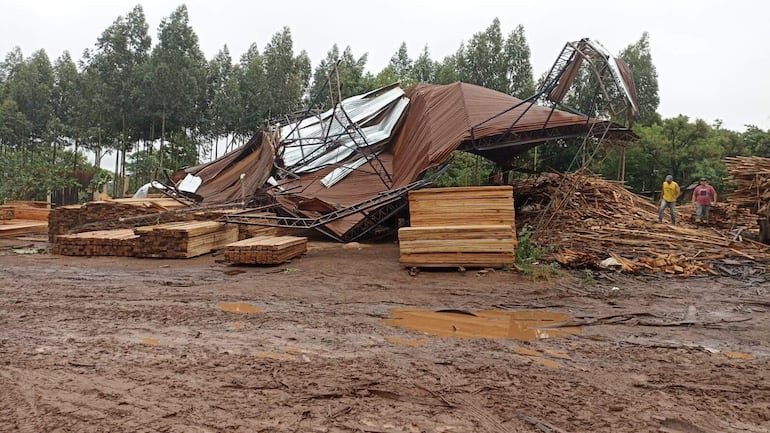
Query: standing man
{"points": [[669, 192], [704, 197]]}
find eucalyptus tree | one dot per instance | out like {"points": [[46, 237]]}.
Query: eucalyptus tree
{"points": [[92, 122], [64, 102], [352, 80], [219, 72], [516, 54], [402, 65], [121, 51], [639, 60], [179, 78], [446, 70], [253, 91], [482, 60], [285, 79], [423, 68], [31, 86]]}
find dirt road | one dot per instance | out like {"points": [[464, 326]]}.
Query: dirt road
{"points": [[141, 345]]}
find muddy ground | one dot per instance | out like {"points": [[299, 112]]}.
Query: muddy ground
{"points": [[140, 345]]}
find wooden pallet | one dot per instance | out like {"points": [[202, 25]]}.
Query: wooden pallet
{"points": [[118, 242], [265, 250], [183, 239]]}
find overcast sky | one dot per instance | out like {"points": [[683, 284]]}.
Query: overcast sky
{"points": [[712, 56]]}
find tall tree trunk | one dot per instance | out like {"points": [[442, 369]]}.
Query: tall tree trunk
{"points": [[123, 159], [162, 137]]}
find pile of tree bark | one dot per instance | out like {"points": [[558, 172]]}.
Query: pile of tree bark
{"points": [[459, 227], [591, 222]]}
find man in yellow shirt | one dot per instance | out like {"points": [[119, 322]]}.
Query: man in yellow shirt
{"points": [[669, 192]]}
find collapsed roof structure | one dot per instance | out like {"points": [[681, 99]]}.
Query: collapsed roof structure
{"points": [[347, 170]]}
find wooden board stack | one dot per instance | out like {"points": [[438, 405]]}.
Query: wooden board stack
{"points": [[20, 218], [183, 239], [463, 227], [265, 250], [118, 242], [6, 213], [246, 231], [106, 214]]}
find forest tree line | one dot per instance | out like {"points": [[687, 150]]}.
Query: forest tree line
{"points": [[129, 92]]}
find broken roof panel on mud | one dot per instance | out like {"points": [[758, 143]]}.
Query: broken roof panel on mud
{"points": [[372, 144]]}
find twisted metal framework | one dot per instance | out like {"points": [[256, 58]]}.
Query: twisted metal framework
{"points": [[614, 87]]}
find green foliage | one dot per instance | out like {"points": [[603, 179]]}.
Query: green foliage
{"points": [[353, 79], [529, 257], [639, 60], [465, 169], [528, 252], [145, 165], [31, 175]]}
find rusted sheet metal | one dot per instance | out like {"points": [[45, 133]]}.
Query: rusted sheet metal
{"points": [[434, 121]]}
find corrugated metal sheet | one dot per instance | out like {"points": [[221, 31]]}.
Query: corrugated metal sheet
{"points": [[438, 120]]}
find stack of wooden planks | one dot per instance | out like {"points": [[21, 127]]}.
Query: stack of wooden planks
{"points": [[118, 242], [459, 227], [265, 250], [586, 220], [246, 231], [108, 214], [19, 218], [183, 239]]}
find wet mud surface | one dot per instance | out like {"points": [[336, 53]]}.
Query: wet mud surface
{"points": [[344, 340]]}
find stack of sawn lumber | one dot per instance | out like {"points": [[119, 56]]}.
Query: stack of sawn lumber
{"points": [[19, 218], [459, 227], [108, 214], [265, 250], [587, 219], [183, 239], [118, 242]]}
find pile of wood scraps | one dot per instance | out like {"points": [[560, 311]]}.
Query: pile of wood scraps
{"points": [[750, 176], [594, 223], [265, 250], [459, 227]]}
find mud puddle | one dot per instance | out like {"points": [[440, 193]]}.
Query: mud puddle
{"points": [[515, 325], [238, 308]]}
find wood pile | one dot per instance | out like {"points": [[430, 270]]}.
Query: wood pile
{"points": [[6, 213], [108, 214], [750, 176], [246, 231], [118, 242], [183, 239], [459, 227], [265, 250], [19, 218], [588, 220]]}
